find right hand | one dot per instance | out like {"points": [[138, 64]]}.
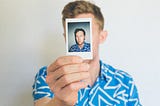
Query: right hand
{"points": [[65, 77]]}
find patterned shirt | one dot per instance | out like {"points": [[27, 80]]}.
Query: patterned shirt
{"points": [[75, 48], [112, 88]]}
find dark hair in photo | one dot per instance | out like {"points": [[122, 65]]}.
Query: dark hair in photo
{"points": [[79, 29]]}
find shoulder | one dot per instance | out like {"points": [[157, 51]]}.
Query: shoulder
{"points": [[42, 72], [117, 75], [114, 71], [73, 46], [40, 87], [40, 78], [121, 83], [87, 44]]}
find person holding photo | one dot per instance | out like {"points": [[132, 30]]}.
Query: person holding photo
{"points": [[81, 45], [73, 81]]}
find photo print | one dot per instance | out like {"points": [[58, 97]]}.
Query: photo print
{"points": [[79, 37]]}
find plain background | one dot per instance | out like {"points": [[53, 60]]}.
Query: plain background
{"points": [[31, 36]]}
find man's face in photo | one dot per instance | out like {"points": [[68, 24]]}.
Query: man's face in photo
{"points": [[80, 37]]}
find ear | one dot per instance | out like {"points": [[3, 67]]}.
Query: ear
{"points": [[103, 36], [64, 35]]}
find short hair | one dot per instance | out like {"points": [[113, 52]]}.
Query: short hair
{"points": [[72, 9], [79, 29]]}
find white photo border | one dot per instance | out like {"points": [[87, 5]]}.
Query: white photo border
{"points": [[84, 55]]}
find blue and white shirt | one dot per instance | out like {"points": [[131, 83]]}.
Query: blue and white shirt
{"points": [[75, 48], [112, 88]]}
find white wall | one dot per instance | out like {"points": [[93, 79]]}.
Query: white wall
{"points": [[31, 36]]}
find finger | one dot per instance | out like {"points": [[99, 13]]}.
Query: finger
{"points": [[72, 91], [64, 70], [75, 86], [70, 78], [68, 69], [64, 61]]}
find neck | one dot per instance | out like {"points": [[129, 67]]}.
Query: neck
{"points": [[81, 45], [93, 70]]}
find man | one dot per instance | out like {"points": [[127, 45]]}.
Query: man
{"points": [[70, 80], [81, 45]]}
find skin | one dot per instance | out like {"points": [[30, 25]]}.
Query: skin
{"points": [[80, 37], [68, 74]]}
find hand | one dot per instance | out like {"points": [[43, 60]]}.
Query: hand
{"points": [[65, 77]]}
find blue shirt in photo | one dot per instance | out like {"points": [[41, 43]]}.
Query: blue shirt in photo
{"points": [[75, 48]]}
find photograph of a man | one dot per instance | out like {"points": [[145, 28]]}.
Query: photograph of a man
{"points": [[81, 45]]}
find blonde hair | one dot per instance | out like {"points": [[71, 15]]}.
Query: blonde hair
{"points": [[75, 8]]}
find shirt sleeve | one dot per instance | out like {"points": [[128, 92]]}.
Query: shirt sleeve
{"points": [[132, 92], [73, 48], [133, 99], [40, 87]]}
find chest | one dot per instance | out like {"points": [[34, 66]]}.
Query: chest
{"points": [[103, 94]]}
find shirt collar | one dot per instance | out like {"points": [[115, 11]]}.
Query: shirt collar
{"points": [[103, 75]]}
